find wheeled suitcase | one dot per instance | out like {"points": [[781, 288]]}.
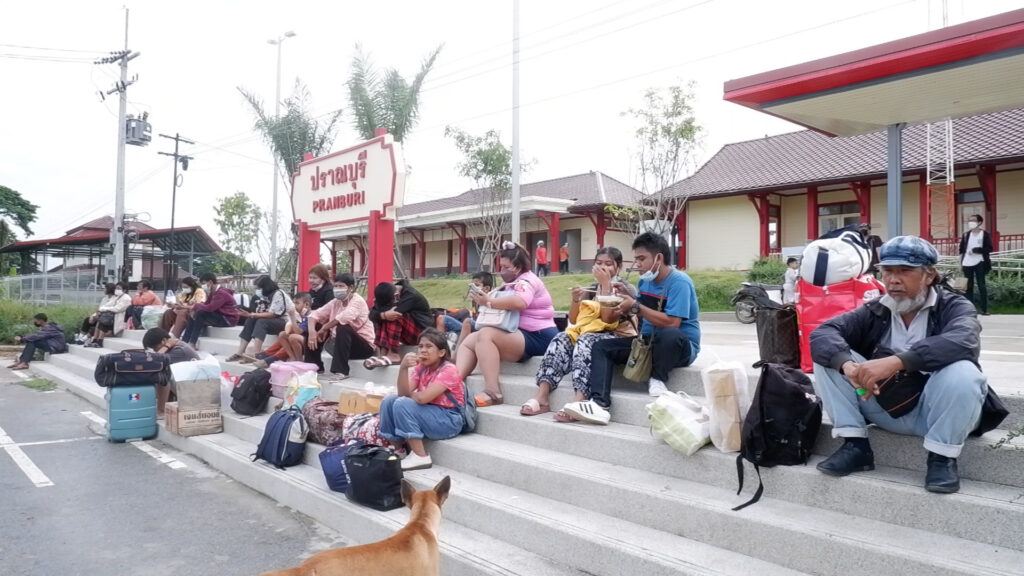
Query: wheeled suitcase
{"points": [[131, 413]]}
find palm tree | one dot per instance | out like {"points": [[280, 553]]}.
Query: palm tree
{"points": [[387, 101]]}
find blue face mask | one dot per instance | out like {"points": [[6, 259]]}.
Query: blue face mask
{"points": [[651, 274]]}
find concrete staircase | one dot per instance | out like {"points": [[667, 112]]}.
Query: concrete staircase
{"points": [[532, 496]]}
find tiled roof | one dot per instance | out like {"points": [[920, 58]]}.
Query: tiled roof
{"points": [[582, 188], [103, 223], [802, 158]]}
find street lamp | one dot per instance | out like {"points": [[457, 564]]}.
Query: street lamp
{"points": [[277, 175]]}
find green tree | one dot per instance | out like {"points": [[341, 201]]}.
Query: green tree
{"points": [[17, 211], [386, 101], [488, 163], [222, 264], [239, 220], [668, 139]]}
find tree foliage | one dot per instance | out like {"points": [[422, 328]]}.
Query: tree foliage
{"points": [[15, 208], [239, 220], [668, 138], [488, 163], [385, 100], [222, 264]]}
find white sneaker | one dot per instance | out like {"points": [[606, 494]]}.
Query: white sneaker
{"points": [[656, 387], [416, 462], [587, 411]]}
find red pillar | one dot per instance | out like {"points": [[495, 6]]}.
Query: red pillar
{"points": [[419, 253], [812, 213], [681, 226], [309, 253], [760, 203], [862, 190], [460, 233], [554, 244], [450, 247], [925, 209], [382, 246], [600, 225], [987, 179]]}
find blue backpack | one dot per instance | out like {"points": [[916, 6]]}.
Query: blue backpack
{"points": [[332, 461], [284, 438]]}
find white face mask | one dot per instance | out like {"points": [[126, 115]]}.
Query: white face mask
{"points": [[186, 290], [651, 274], [118, 292], [972, 225]]}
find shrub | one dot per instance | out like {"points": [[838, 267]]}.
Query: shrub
{"points": [[1006, 291], [767, 271], [16, 318]]}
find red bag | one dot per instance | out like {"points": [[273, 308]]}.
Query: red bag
{"points": [[818, 304]]}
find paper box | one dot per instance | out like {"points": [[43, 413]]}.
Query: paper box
{"points": [[198, 394], [358, 402], [192, 422]]}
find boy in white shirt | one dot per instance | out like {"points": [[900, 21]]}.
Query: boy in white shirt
{"points": [[789, 282]]}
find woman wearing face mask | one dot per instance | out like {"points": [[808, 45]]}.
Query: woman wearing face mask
{"points": [[218, 310], [176, 316], [268, 319], [569, 351], [320, 289], [975, 247], [109, 315], [491, 346], [347, 319]]}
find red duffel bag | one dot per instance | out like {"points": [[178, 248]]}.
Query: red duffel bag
{"points": [[818, 304]]}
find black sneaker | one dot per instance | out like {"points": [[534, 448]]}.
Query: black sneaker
{"points": [[943, 476], [848, 459]]}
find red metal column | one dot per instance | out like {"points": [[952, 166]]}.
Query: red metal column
{"points": [[812, 213], [681, 226], [925, 209], [987, 179], [380, 265], [862, 190], [450, 247], [554, 244], [760, 203], [309, 253], [600, 225], [460, 232]]}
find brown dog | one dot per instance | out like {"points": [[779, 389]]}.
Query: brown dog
{"points": [[412, 551]]}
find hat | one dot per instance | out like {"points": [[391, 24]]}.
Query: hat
{"points": [[908, 251], [540, 242]]}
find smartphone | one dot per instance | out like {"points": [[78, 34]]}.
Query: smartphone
{"points": [[474, 289]]}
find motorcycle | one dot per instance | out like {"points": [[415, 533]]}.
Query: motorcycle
{"points": [[754, 295]]}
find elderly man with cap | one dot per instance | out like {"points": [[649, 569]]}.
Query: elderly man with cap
{"points": [[906, 362]]}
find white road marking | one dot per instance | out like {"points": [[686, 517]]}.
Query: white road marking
{"points": [[1001, 353], [94, 418], [20, 374], [64, 441], [35, 475], [158, 455]]}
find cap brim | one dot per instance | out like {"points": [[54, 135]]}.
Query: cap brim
{"points": [[906, 263]]}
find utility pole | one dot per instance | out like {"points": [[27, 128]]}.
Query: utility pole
{"points": [[277, 114], [171, 275], [122, 57], [515, 123]]}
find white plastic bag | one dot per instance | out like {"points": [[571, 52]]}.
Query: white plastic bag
{"points": [[679, 421], [302, 388], [206, 368], [728, 394]]}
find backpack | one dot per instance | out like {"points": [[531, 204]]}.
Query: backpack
{"points": [[832, 260], [250, 395], [781, 425], [332, 461], [284, 439], [468, 409]]}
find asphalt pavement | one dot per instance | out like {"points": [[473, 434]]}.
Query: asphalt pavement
{"points": [[76, 504]]}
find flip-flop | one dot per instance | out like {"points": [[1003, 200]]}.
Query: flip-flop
{"points": [[488, 399], [561, 416], [377, 362], [20, 367], [533, 408]]}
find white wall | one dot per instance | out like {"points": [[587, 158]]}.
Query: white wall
{"points": [[722, 233]]}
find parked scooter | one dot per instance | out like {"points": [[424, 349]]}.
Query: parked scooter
{"points": [[754, 295]]}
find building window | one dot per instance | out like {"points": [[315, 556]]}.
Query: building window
{"points": [[834, 216], [774, 220]]}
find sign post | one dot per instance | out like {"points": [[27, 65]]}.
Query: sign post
{"points": [[364, 183]]}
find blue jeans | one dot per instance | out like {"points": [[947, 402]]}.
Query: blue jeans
{"points": [[947, 412], [451, 324], [401, 417], [199, 322], [670, 348]]}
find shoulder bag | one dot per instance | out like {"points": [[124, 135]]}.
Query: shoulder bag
{"points": [[640, 361], [507, 320]]}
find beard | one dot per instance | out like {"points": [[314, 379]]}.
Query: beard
{"points": [[905, 305]]}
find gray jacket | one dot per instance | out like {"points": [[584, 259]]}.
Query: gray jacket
{"points": [[953, 334]]}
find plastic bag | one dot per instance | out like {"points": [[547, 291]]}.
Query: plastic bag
{"points": [[301, 389], [728, 394], [206, 368], [151, 316], [679, 421]]}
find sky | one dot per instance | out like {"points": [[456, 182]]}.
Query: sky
{"points": [[582, 64]]}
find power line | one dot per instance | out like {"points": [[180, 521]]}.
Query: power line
{"points": [[52, 49]]}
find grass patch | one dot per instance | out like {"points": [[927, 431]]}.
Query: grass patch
{"points": [[40, 384], [16, 318], [714, 289]]}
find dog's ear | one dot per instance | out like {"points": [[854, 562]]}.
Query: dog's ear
{"points": [[442, 489], [407, 491]]}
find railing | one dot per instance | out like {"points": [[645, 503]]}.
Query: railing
{"points": [[1011, 242], [68, 287]]}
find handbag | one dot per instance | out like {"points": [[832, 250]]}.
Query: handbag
{"points": [[105, 318], [640, 361], [900, 393], [507, 320], [332, 461], [132, 368], [374, 478]]}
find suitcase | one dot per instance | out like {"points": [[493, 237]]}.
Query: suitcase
{"points": [[131, 413]]}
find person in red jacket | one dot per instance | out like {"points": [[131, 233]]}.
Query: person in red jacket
{"points": [[218, 310], [542, 259]]}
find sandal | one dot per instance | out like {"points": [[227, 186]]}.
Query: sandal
{"points": [[20, 366], [561, 416], [533, 408], [377, 362], [489, 399]]}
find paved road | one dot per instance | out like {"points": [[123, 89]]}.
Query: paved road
{"points": [[75, 504]]}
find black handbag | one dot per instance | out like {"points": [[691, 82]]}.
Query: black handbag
{"points": [[778, 339], [105, 319], [133, 368], [900, 393], [374, 477]]}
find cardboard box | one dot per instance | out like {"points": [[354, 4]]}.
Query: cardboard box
{"points": [[192, 422], [198, 394], [358, 402]]}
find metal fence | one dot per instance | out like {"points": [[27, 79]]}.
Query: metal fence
{"points": [[68, 287]]}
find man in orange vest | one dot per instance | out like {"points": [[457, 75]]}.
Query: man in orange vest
{"points": [[542, 259]]}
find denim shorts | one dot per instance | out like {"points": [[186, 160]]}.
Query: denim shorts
{"points": [[537, 342]]}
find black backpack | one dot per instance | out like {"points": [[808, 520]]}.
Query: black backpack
{"points": [[781, 425], [250, 395], [284, 438]]}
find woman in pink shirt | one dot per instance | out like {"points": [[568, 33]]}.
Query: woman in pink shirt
{"points": [[490, 346], [347, 318]]}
